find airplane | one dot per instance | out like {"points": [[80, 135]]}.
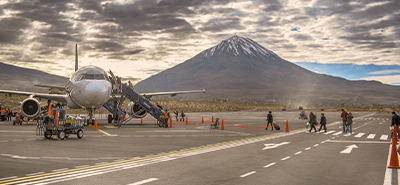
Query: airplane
{"points": [[88, 88]]}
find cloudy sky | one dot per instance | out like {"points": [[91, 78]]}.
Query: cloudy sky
{"points": [[139, 38]]}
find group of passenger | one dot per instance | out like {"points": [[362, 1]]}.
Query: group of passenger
{"points": [[313, 122], [347, 121]]}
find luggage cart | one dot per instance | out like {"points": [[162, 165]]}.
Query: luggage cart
{"points": [[61, 128]]}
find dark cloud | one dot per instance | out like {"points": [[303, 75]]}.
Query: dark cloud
{"points": [[108, 46], [272, 5], [218, 25], [11, 29], [302, 37]]}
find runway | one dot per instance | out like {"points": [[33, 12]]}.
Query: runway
{"points": [[194, 154]]}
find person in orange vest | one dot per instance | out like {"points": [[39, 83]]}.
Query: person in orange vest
{"points": [[166, 117]]}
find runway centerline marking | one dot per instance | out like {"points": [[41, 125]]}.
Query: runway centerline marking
{"points": [[247, 174], [269, 165], [144, 181]]}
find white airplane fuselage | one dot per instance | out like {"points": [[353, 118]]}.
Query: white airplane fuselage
{"points": [[89, 87]]}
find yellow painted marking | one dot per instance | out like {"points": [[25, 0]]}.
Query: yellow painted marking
{"points": [[129, 161], [104, 132]]}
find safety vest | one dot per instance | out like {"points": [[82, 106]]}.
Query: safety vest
{"points": [[166, 115]]}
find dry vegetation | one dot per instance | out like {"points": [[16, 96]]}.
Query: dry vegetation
{"points": [[203, 106]]}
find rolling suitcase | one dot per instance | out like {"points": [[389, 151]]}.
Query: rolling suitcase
{"points": [[276, 126]]}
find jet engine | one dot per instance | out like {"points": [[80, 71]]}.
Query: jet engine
{"points": [[136, 110], [30, 107]]}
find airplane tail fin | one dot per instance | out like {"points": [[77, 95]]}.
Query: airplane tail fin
{"points": [[76, 57]]}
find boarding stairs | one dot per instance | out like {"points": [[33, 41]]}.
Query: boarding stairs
{"points": [[145, 103], [142, 101]]}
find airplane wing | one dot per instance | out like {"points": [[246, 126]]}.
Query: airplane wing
{"points": [[61, 88], [56, 97], [174, 93], [53, 89]]}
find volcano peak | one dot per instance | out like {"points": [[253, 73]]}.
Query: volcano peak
{"points": [[237, 45]]}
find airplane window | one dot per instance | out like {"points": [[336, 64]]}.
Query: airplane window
{"points": [[99, 76], [89, 76], [79, 78]]}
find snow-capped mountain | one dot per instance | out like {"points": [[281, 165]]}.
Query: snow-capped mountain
{"points": [[239, 46], [240, 69]]}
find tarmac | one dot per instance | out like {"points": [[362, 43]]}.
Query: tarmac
{"points": [[243, 153]]}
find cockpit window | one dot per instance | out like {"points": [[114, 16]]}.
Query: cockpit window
{"points": [[99, 76], [90, 77]]}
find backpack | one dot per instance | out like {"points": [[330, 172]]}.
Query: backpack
{"points": [[345, 116]]}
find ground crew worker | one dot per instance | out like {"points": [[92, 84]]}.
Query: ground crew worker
{"points": [[130, 85], [166, 117], [270, 120]]}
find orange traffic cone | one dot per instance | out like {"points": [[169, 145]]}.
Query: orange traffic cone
{"points": [[202, 119], [212, 119], [187, 121], [57, 118], [27, 122], [394, 158], [141, 120], [50, 110], [170, 123], [95, 124], [222, 125], [287, 126]]}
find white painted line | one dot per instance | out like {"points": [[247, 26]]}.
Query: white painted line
{"points": [[285, 158], [297, 153], [347, 135], [308, 148], [337, 133], [384, 137], [316, 145], [371, 136], [359, 135], [32, 174], [388, 172], [269, 165], [398, 175], [247, 174], [81, 166], [329, 132], [8, 178], [365, 142], [59, 170], [144, 181]]}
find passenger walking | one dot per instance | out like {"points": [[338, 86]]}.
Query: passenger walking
{"points": [[182, 116], [349, 123], [395, 121], [313, 121], [344, 119], [270, 120], [176, 115], [322, 122]]}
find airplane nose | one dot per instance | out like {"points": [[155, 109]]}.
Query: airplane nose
{"points": [[96, 94]]}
